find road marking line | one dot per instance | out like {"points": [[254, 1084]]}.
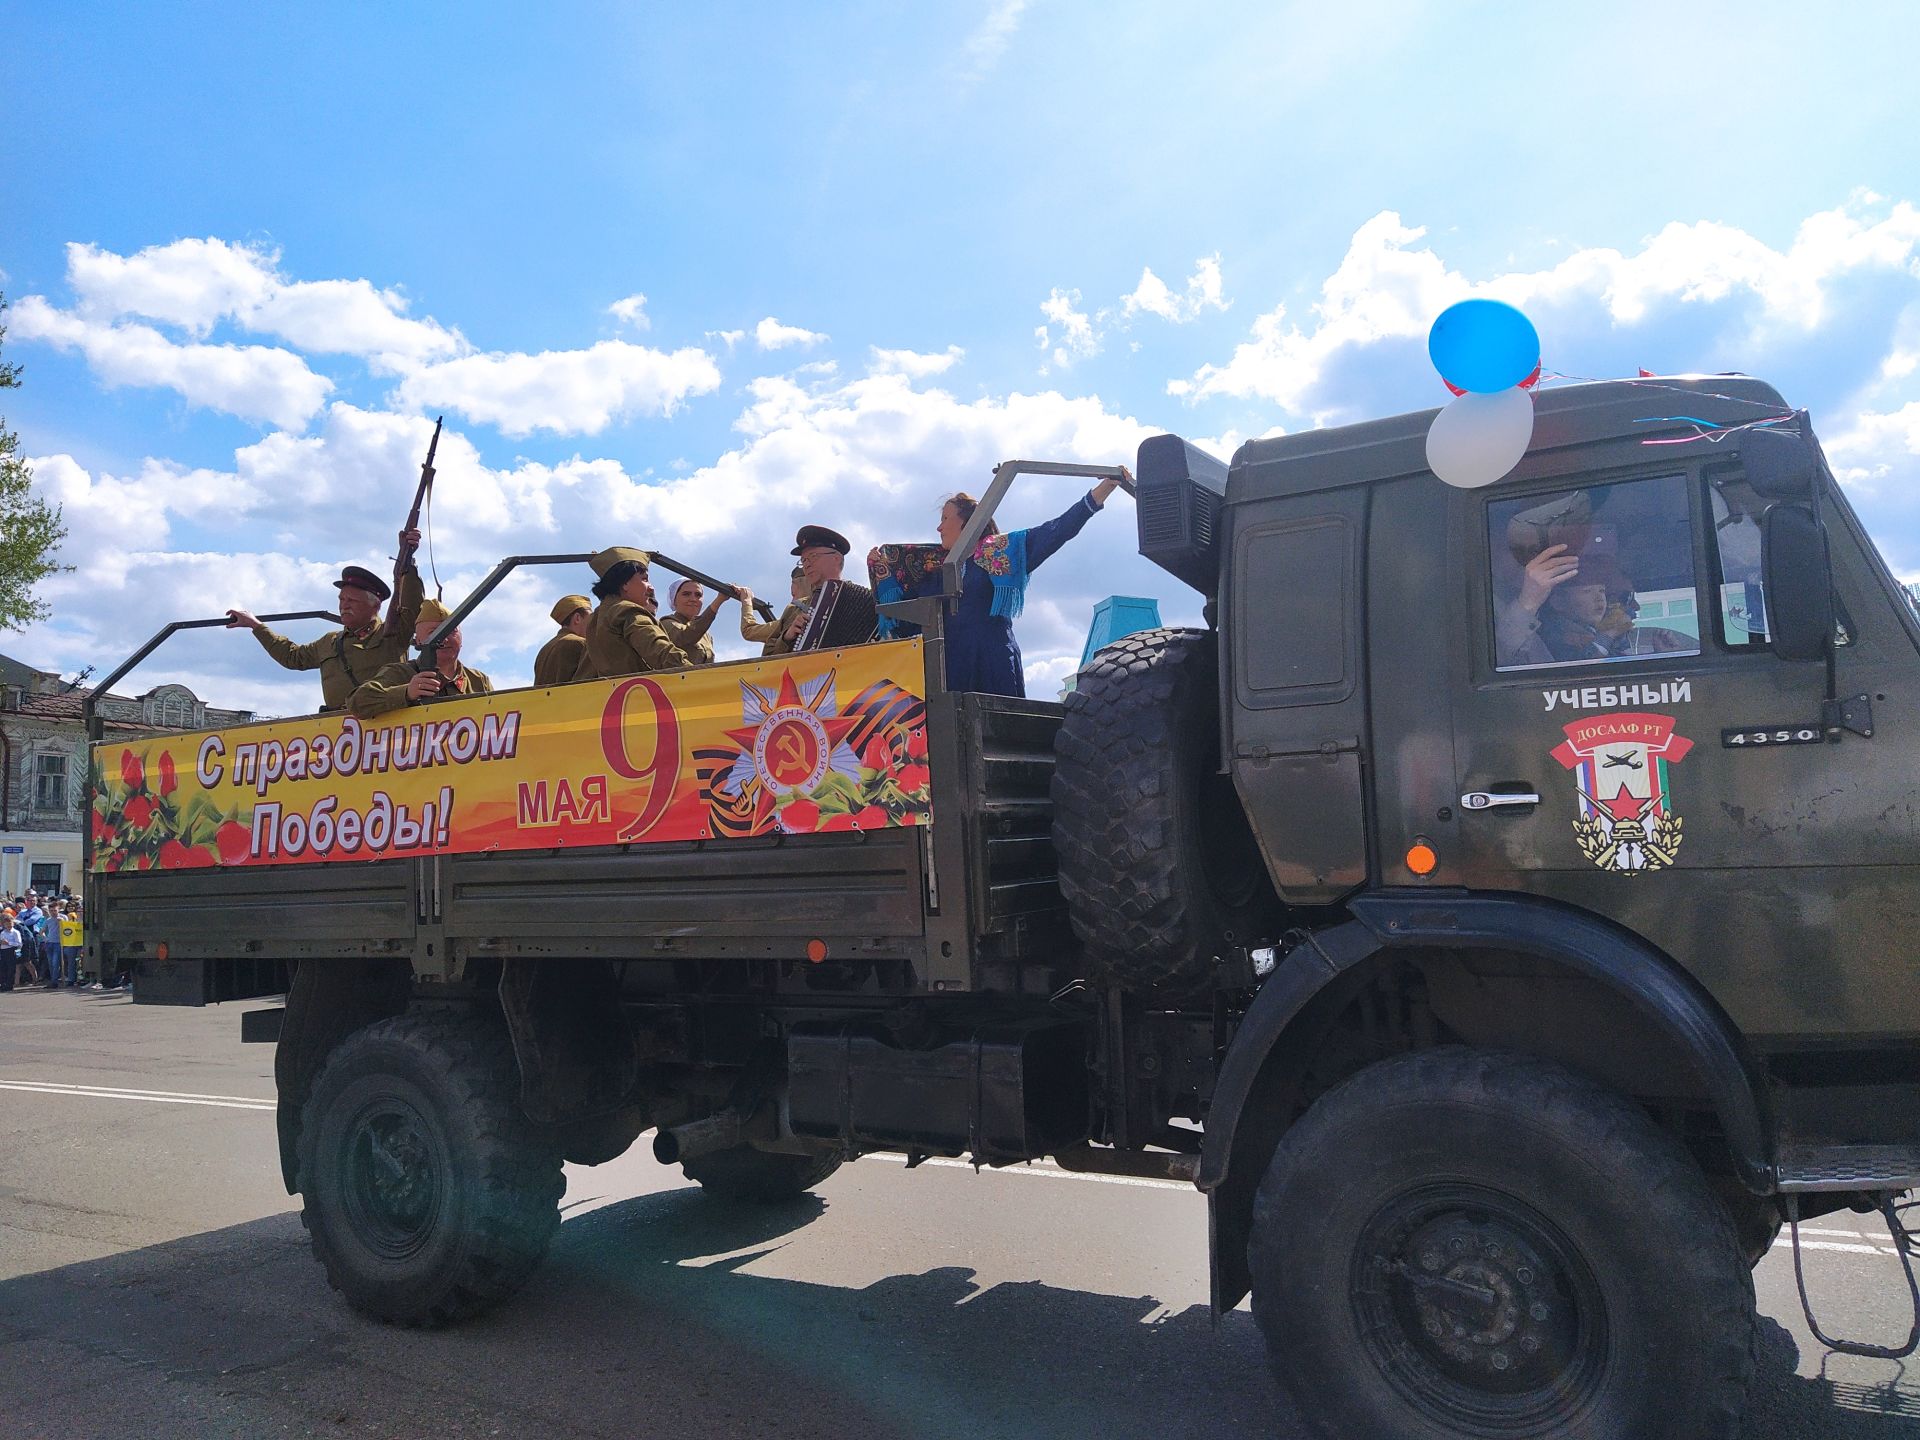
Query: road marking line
{"points": [[1787, 1244], [136, 1090], [1046, 1172], [152, 1097]]}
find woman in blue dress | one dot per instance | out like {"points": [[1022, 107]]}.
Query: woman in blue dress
{"points": [[982, 654]]}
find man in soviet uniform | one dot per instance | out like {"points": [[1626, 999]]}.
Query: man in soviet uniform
{"points": [[349, 656], [559, 658], [414, 682], [623, 637], [823, 558]]}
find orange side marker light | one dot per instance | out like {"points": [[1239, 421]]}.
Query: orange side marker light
{"points": [[1421, 858]]}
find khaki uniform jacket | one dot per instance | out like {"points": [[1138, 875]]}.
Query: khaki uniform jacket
{"points": [[690, 636], [623, 639], [344, 661], [771, 634], [558, 659], [387, 691]]}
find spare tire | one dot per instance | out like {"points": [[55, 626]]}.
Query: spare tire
{"points": [[1157, 863]]}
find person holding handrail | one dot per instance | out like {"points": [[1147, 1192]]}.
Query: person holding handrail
{"points": [[982, 654], [624, 636], [348, 657]]}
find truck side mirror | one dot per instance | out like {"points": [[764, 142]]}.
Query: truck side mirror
{"points": [[1779, 464], [1799, 583]]}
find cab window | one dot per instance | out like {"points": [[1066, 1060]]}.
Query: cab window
{"points": [[1594, 575], [1742, 606]]}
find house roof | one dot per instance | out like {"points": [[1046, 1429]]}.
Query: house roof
{"points": [[70, 707]]}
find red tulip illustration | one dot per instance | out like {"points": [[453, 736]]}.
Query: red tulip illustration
{"points": [[801, 817], [169, 781], [235, 842], [132, 774]]}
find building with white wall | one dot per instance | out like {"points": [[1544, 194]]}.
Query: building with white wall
{"points": [[43, 765]]}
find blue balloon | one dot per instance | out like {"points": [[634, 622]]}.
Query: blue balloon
{"points": [[1483, 345]]}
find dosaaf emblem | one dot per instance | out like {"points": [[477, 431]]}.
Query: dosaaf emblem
{"points": [[1621, 767]]}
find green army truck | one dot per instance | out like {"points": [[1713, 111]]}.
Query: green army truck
{"points": [[1506, 948]]}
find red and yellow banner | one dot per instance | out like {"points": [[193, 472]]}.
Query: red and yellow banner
{"points": [[798, 744]]}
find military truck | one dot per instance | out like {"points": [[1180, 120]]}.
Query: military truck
{"points": [[1505, 947]]}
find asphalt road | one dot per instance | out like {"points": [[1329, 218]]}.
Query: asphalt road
{"points": [[155, 1283]]}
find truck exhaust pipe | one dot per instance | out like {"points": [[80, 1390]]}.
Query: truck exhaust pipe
{"points": [[721, 1131]]}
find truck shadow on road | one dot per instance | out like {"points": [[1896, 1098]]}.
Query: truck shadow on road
{"points": [[654, 1316]]}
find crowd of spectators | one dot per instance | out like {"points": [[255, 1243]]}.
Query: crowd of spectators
{"points": [[41, 941]]}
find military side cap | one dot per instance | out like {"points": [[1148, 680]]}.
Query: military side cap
{"points": [[432, 610], [819, 537], [613, 555], [361, 579], [564, 607]]}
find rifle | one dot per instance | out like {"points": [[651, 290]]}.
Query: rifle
{"points": [[403, 562]]}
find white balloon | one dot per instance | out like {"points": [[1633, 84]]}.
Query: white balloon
{"points": [[1479, 438]]}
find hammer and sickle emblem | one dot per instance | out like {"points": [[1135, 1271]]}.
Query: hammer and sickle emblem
{"points": [[790, 752]]}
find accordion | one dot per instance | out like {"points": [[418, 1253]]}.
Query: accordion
{"points": [[843, 614]]}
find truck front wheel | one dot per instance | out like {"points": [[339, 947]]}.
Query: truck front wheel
{"points": [[428, 1196], [1463, 1243]]}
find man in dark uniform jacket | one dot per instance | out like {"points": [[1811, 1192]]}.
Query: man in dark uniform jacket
{"points": [[559, 658], [413, 682], [843, 612], [348, 657]]}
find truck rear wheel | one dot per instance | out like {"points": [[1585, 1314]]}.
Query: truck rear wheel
{"points": [[758, 1176], [1159, 868], [1463, 1243], [428, 1196]]}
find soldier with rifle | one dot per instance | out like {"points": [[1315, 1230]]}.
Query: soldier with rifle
{"points": [[350, 656], [436, 673]]}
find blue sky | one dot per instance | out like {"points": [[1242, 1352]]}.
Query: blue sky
{"points": [[245, 254]]}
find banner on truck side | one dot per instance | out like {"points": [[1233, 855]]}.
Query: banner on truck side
{"points": [[796, 744]]}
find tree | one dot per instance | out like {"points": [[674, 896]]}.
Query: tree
{"points": [[30, 529]]}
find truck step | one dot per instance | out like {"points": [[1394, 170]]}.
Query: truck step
{"points": [[1807, 1168]]}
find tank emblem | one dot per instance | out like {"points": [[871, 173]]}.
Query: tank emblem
{"points": [[1622, 772]]}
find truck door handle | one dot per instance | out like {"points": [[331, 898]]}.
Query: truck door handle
{"points": [[1493, 800]]}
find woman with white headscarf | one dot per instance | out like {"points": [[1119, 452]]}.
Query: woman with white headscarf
{"points": [[687, 623]]}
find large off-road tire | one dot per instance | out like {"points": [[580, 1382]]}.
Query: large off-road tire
{"points": [[758, 1177], [1158, 866], [1468, 1243], [428, 1196]]}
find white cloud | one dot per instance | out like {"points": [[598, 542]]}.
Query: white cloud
{"points": [[1071, 334], [912, 363], [196, 284], [982, 49], [872, 456], [254, 382], [1701, 296], [729, 338], [1203, 292], [770, 334], [1078, 338], [566, 392], [631, 310]]}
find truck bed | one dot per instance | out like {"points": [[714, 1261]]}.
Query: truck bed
{"points": [[970, 902]]}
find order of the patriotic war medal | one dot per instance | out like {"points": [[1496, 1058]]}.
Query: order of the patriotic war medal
{"points": [[1622, 770]]}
